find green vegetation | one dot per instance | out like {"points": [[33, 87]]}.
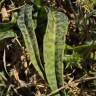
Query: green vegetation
{"points": [[47, 47]]}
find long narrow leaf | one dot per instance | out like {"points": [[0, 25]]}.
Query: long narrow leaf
{"points": [[49, 56], [4, 34], [61, 22], [33, 38], [54, 48], [27, 39]]}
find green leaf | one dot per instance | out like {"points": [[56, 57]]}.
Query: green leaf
{"points": [[54, 47], [37, 3], [49, 56], [61, 28], [6, 34], [33, 38], [29, 41]]}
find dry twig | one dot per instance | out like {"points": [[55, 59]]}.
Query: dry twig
{"points": [[14, 9], [71, 83]]}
